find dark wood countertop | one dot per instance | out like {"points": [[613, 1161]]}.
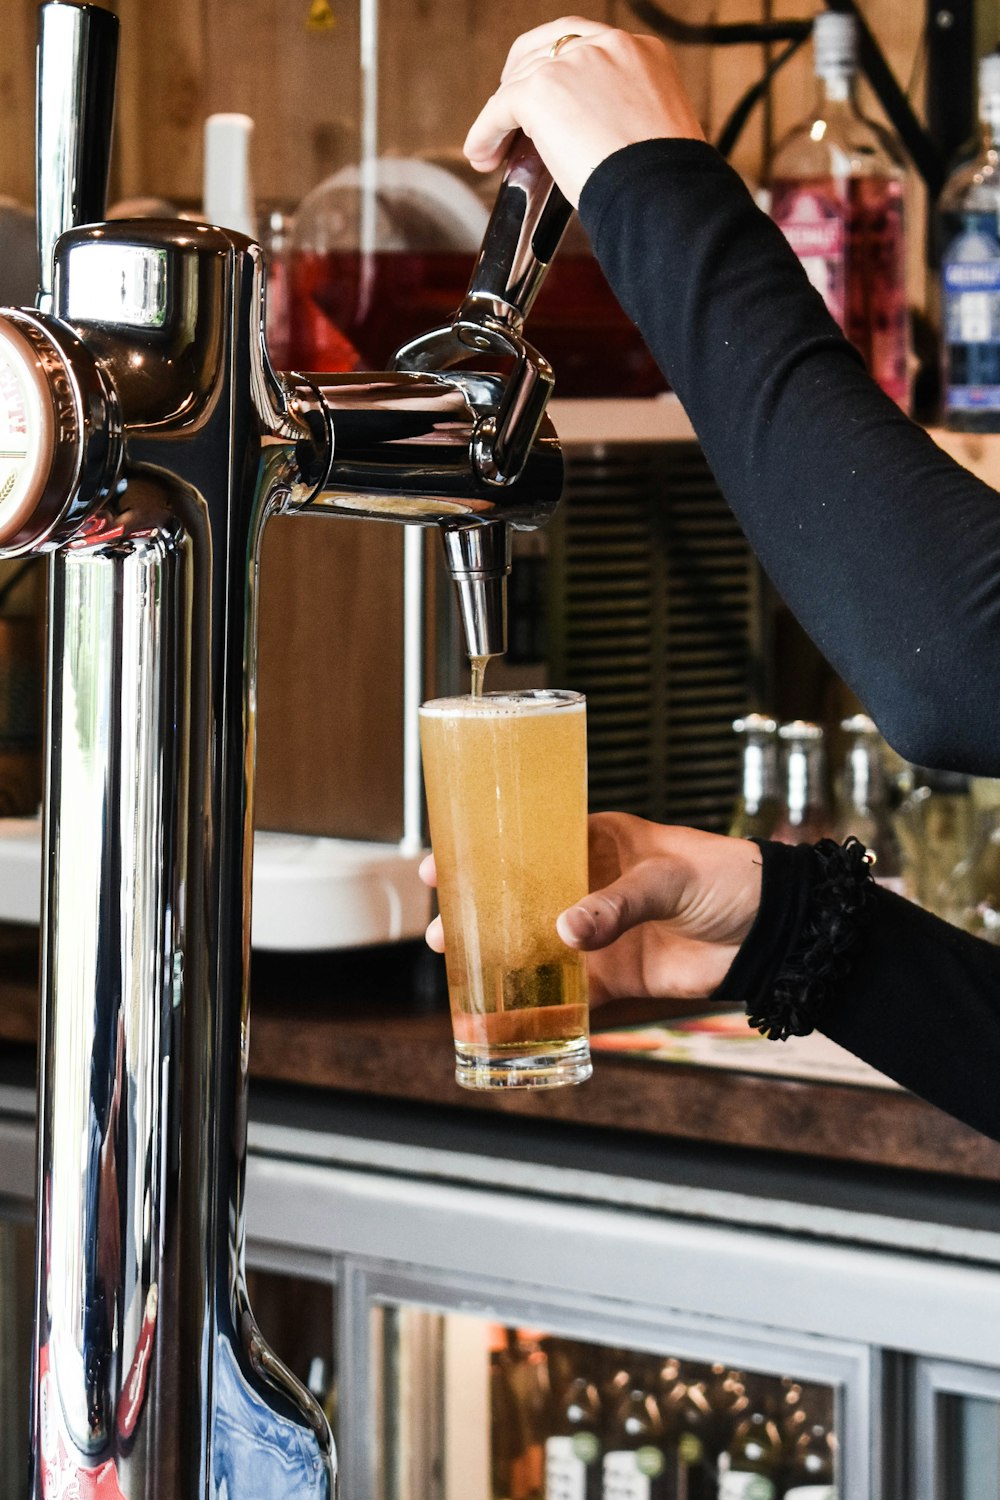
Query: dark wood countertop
{"points": [[349, 1023]]}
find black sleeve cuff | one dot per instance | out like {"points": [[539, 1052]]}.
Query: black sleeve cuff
{"points": [[814, 898], [786, 882]]}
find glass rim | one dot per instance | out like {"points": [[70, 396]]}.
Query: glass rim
{"points": [[539, 700]]}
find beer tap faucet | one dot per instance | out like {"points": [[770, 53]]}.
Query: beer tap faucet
{"points": [[528, 221], [145, 442]]}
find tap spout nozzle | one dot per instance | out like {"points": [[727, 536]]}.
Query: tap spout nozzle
{"points": [[479, 562]]}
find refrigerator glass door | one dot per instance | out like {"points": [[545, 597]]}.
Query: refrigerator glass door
{"points": [[956, 1430], [467, 1408]]}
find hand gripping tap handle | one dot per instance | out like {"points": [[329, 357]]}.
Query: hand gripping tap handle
{"points": [[527, 223], [77, 61]]}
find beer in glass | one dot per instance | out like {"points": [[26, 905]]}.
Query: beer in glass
{"points": [[506, 780]]}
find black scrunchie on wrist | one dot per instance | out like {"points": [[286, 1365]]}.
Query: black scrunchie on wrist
{"points": [[813, 901]]}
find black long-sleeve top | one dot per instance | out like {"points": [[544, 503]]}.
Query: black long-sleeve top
{"points": [[885, 548]]}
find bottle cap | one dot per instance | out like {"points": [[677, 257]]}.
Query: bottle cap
{"points": [[755, 724], [989, 74], [801, 729], [859, 724], [835, 42]]}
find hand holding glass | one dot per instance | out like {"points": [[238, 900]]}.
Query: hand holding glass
{"points": [[506, 780]]}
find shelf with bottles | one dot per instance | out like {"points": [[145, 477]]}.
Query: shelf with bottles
{"points": [[527, 1414]]}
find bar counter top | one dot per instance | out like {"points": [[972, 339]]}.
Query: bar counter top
{"points": [[371, 1023]]}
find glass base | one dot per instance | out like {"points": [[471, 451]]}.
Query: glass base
{"points": [[545, 1066]]}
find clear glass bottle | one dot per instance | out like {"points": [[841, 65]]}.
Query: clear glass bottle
{"points": [[759, 802], [836, 186], [863, 801], [937, 825], [968, 228], [805, 813], [969, 895]]}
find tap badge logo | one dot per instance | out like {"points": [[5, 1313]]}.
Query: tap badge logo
{"points": [[62, 1478]]}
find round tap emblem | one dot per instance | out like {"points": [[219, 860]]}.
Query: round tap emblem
{"points": [[27, 430]]}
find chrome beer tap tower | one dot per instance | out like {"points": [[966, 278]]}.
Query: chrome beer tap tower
{"points": [[145, 443]]}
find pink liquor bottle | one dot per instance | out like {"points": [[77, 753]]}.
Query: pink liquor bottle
{"points": [[836, 186]]}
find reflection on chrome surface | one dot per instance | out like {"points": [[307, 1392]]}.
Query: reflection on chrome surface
{"points": [[159, 445]]}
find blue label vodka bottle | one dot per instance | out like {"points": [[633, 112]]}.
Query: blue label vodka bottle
{"points": [[969, 227]]}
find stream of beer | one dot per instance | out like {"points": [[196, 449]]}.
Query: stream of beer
{"points": [[478, 666]]}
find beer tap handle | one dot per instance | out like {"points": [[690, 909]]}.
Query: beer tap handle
{"points": [[77, 61], [527, 223]]}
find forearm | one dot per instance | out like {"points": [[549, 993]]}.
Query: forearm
{"points": [[922, 1004], [913, 996], [886, 550]]}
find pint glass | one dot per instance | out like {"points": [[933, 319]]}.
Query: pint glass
{"points": [[506, 779]]}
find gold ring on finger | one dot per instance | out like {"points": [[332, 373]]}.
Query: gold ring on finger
{"points": [[560, 41]]}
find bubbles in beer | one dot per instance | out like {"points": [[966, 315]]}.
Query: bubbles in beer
{"points": [[506, 786]]}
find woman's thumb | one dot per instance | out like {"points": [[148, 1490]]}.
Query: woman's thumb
{"points": [[648, 891]]}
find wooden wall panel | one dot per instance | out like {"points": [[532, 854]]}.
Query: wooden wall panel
{"points": [[17, 101], [182, 59], [161, 98], [301, 87], [329, 733]]}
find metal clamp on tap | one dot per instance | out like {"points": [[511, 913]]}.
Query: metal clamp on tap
{"points": [[528, 221]]}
